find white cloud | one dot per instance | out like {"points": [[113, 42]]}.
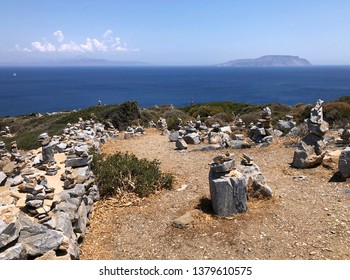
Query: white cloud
{"points": [[118, 46], [70, 47], [59, 36], [19, 49], [43, 46], [108, 33], [88, 46], [105, 44], [99, 46]]}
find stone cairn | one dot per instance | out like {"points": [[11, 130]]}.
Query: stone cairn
{"points": [[287, 126], [162, 126], [231, 186], [311, 150], [47, 195], [218, 137], [133, 131], [262, 131], [5, 132], [344, 139], [344, 157]]}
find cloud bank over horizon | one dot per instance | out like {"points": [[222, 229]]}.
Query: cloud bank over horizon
{"points": [[108, 43]]}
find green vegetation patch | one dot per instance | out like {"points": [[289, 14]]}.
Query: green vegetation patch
{"points": [[125, 172]]}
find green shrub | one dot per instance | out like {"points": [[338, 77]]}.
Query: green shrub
{"points": [[213, 108], [337, 113], [125, 172], [343, 99], [172, 115]]}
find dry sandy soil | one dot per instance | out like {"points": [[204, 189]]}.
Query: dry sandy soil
{"points": [[305, 219]]}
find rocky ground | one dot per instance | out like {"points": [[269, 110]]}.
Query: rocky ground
{"points": [[307, 218]]}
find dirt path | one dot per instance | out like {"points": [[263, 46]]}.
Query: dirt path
{"points": [[306, 219]]}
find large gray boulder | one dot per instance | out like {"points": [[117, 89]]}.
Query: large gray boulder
{"points": [[16, 252], [303, 159], [319, 129], [48, 153], [173, 136], [310, 152], [69, 206], [2, 178], [9, 224], [256, 183], [285, 125], [257, 133], [344, 163], [214, 137], [78, 161], [181, 144], [60, 221], [38, 239], [228, 194], [81, 220], [192, 138]]}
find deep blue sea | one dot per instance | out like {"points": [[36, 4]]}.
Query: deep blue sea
{"points": [[25, 90]]}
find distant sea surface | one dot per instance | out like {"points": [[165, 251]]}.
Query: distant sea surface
{"points": [[26, 90]]}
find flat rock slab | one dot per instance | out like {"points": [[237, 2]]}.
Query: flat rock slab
{"points": [[184, 220], [78, 161]]}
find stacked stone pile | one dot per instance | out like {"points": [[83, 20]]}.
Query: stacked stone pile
{"points": [[5, 132], [198, 132], [262, 131], [344, 139], [162, 126], [287, 126], [311, 150], [231, 186], [47, 195], [255, 180]]}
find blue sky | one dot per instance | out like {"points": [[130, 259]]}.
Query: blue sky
{"points": [[177, 32]]}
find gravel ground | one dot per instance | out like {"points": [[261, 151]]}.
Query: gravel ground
{"points": [[306, 218]]}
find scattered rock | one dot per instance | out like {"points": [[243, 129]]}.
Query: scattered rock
{"points": [[185, 220], [181, 144], [344, 163]]}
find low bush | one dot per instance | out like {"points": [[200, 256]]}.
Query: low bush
{"points": [[125, 172], [172, 115], [337, 113], [213, 108]]}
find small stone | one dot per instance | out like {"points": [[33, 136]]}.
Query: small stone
{"points": [[185, 220], [182, 188], [34, 203], [299, 177]]}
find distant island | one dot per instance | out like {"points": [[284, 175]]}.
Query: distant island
{"points": [[268, 61], [79, 61]]}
